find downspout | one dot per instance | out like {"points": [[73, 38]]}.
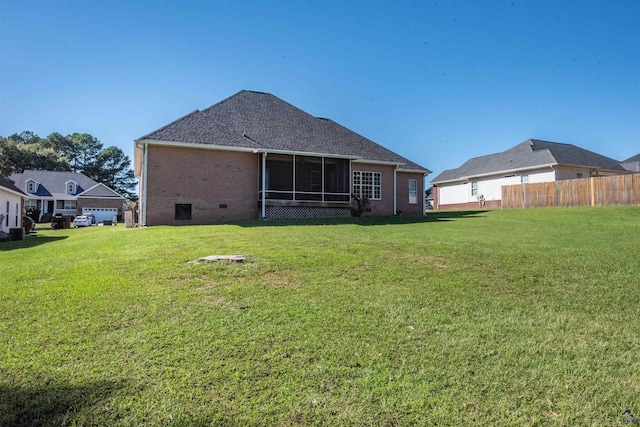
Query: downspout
{"points": [[145, 178], [424, 195], [264, 185], [395, 190]]}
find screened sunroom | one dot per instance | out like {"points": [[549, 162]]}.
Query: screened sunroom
{"points": [[304, 186]]}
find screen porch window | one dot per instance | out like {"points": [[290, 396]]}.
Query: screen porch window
{"points": [[367, 185], [413, 191], [306, 178]]}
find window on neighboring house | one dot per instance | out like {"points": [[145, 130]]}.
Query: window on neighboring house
{"points": [[413, 191], [7, 215], [31, 187], [367, 184], [65, 204], [183, 211], [71, 188], [17, 213], [524, 179], [474, 188], [580, 175]]}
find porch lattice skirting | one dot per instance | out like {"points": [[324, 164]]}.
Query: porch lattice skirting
{"points": [[293, 212]]}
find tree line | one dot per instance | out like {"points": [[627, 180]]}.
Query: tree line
{"points": [[77, 152]]}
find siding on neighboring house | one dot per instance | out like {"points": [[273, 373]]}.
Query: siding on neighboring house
{"points": [[11, 206]]}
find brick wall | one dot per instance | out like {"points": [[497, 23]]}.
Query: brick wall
{"points": [[384, 206], [220, 186], [402, 204]]}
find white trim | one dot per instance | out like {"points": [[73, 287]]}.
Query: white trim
{"points": [[66, 187], [205, 146], [375, 162], [145, 161]]}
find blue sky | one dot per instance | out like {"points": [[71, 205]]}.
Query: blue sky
{"points": [[436, 81]]}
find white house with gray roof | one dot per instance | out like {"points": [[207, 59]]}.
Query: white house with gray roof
{"points": [[11, 207], [69, 194], [478, 182], [254, 155]]}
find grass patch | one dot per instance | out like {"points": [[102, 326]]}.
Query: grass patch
{"points": [[509, 317]]}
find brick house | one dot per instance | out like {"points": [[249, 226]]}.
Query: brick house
{"points": [[69, 194], [255, 156]]}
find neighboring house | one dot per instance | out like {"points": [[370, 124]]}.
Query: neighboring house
{"points": [[632, 163], [478, 182], [11, 207], [254, 156], [69, 194]]}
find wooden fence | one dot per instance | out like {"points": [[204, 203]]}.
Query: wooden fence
{"points": [[595, 191]]}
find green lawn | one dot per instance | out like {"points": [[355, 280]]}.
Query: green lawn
{"points": [[507, 317]]}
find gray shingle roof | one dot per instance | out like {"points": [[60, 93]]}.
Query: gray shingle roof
{"points": [[635, 158], [530, 154], [53, 184], [261, 121]]}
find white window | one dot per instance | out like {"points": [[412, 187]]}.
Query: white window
{"points": [[17, 213], [30, 203], [7, 216], [524, 179], [413, 191], [367, 184], [31, 187], [474, 188], [71, 187]]}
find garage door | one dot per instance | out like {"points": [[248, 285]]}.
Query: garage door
{"points": [[101, 213]]}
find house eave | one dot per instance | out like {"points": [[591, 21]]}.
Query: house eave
{"points": [[254, 150], [501, 172]]}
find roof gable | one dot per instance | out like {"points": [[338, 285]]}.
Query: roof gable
{"points": [[530, 154], [8, 185], [54, 183], [261, 121], [100, 191]]}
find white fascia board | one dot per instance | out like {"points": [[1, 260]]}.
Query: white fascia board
{"points": [[507, 171], [377, 162], [196, 145], [422, 171], [241, 149]]}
